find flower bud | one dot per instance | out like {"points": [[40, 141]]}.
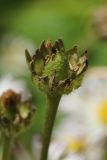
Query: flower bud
{"points": [[15, 114], [55, 70]]}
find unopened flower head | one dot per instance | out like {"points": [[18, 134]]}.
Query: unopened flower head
{"points": [[55, 70], [15, 112]]}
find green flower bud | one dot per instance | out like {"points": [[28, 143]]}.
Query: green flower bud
{"points": [[15, 114], [55, 70]]}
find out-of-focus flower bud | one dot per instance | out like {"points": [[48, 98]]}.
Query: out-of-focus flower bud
{"points": [[55, 70], [15, 114]]}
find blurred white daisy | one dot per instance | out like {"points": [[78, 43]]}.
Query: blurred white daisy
{"points": [[67, 147], [8, 82], [84, 127], [95, 100], [95, 89], [69, 139]]}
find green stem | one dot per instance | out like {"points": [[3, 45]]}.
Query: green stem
{"points": [[51, 110], [7, 146]]}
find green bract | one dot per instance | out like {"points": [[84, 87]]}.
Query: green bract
{"points": [[15, 114], [55, 70]]}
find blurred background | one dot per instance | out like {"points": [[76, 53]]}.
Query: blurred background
{"points": [[24, 24]]}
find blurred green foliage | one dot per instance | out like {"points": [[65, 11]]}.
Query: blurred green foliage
{"points": [[38, 20]]}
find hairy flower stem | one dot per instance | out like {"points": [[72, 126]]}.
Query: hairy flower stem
{"points": [[51, 110], [7, 148]]}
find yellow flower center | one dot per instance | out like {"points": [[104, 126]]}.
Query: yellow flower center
{"points": [[102, 112], [75, 145]]}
